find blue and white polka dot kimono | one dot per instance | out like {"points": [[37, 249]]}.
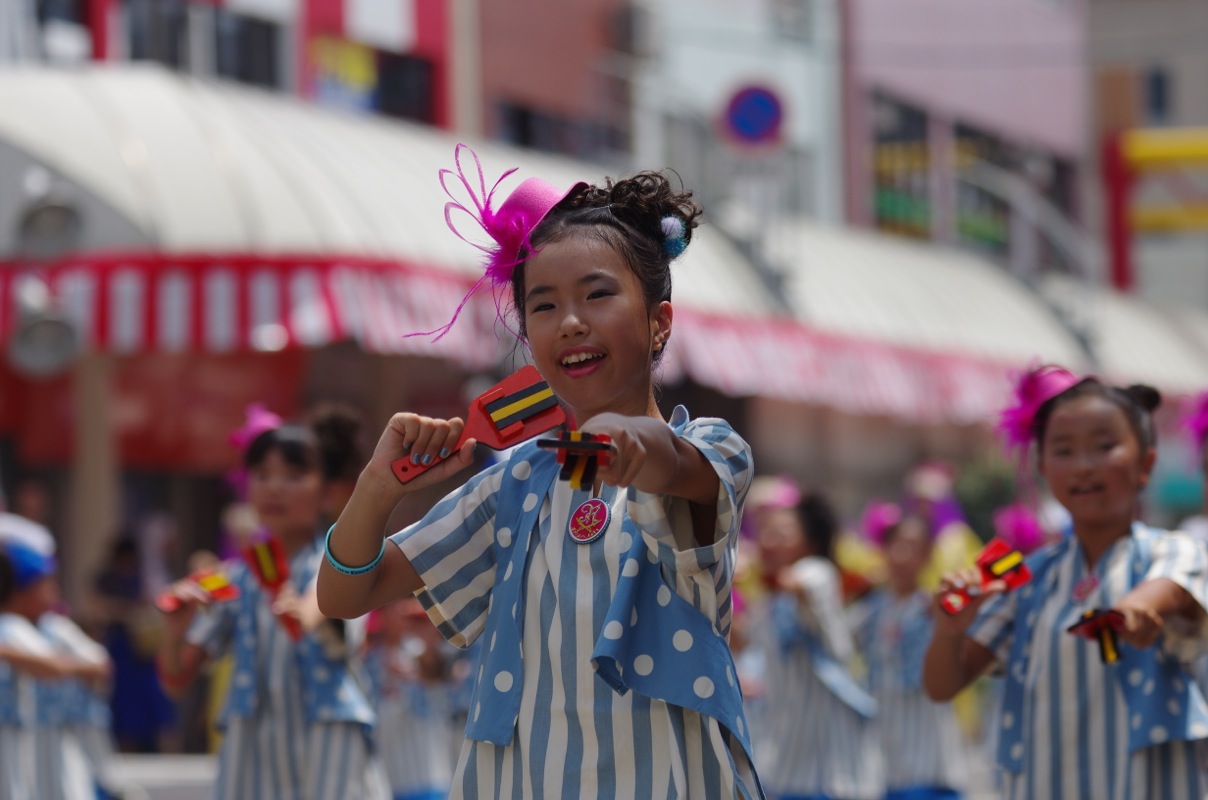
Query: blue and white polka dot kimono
{"points": [[605, 671], [818, 738], [297, 718], [73, 714], [919, 739], [414, 723], [1073, 727]]}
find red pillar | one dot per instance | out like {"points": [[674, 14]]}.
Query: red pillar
{"points": [[98, 27], [1118, 182]]}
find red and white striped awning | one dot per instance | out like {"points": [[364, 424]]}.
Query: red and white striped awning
{"points": [[131, 304], [146, 303]]}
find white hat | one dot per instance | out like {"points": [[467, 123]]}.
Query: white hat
{"points": [[16, 528]]}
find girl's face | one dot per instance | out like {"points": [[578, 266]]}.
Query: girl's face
{"points": [[1092, 461], [907, 553], [36, 599], [589, 330], [781, 539], [288, 499]]}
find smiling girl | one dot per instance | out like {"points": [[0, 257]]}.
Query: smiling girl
{"points": [[1071, 725], [605, 669]]}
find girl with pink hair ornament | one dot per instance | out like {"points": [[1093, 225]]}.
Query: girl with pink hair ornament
{"points": [[1122, 719], [604, 669], [1196, 424]]}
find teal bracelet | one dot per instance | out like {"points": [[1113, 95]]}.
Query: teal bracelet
{"points": [[338, 567]]}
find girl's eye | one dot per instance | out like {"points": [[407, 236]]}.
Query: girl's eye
{"points": [[541, 307], [599, 293]]}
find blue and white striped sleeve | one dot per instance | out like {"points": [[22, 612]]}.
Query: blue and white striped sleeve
{"points": [[452, 549], [994, 627], [213, 628], [730, 456], [1183, 560]]}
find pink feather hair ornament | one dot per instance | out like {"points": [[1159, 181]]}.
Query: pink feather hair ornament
{"points": [[1196, 419], [1032, 390], [1019, 527], [509, 226], [878, 518], [258, 420]]}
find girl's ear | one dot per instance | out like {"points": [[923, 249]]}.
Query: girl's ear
{"points": [[660, 324]]}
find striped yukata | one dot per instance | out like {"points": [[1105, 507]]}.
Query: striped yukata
{"points": [[1073, 727], [414, 724], [74, 715], [18, 711], [919, 739], [571, 734], [818, 738], [297, 721]]}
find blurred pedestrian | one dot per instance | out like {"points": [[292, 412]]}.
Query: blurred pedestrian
{"points": [[298, 723], [818, 738]]}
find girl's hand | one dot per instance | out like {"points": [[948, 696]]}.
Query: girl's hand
{"points": [[1142, 625], [970, 578], [418, 438], [629, 452], [301, 607], [190, 595]]}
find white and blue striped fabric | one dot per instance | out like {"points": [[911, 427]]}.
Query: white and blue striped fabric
{"points": [[1073, 730], [575, 736], [18, 711], [73, 718], [919, 739], [414, 723], [278, 743], [813, 743]]}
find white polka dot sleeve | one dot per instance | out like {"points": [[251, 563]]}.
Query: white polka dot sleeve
{"points": [[452, 550], [1183, 560]]}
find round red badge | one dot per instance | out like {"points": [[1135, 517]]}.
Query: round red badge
{"points": [[589, 520]]}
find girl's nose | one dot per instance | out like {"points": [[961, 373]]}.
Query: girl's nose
{"points": [[572, 324]]}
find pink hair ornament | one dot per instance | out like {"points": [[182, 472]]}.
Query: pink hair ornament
{"points": [[1032, 390], [509, 226], [878, 518], [1019, 527], [258, 420], [1196, 420]]}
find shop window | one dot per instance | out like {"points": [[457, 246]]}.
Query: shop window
{"points": [[1157, 96], [248, 49], [156, 31], [62, 11], [901, 169], [405, 87]]}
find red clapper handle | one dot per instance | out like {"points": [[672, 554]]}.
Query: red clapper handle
{"points": [[517, 408], [999, 561], [1101, 625], [217, 585], [271, 568]]}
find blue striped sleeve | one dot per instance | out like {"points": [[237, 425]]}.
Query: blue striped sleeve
{"points": [[1184, 560], [214, 627], [994, 627], [730, 456], [452, 549]]}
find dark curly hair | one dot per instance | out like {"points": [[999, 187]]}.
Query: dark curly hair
{"points": [[1138, 402], [627, 215], [329, 444]]}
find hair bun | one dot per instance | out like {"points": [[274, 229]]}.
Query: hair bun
{"points": [[1146, 397], [338, 429]]}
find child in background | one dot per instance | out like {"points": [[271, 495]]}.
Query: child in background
{"points": [[37, 759], [409, 673], [818, 740], [1073, 726], [1196, 424], [604, 669], [298, 723], [919, 739]]}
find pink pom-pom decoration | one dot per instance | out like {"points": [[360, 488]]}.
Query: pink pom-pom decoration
{"points": [[878, 518], [259, 419], [509, 226], [1196, 419], [1019, 527], [1033, 389]]}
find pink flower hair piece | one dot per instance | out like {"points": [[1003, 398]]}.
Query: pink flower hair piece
{"points": [[878, 518], [509, 227], [1032, 390], [259, 419], [1019, 527], [1196, 419]]}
